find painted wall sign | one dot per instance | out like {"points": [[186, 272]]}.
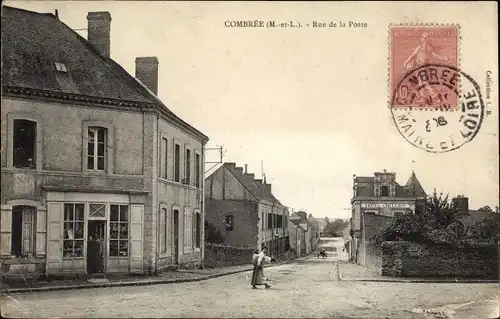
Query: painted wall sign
{"points": [[385, 205]]}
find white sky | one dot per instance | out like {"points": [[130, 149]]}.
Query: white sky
{"points": [[310, 103]]}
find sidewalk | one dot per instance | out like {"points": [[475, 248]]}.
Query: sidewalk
{"points": [[355, 272], [179, 276]]}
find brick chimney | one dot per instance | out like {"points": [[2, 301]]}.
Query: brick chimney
{"points": [[146, 70], [99, 29], [461, 203]]}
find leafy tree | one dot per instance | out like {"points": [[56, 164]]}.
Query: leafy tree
{"points": [[435, 221], [335, 228]]}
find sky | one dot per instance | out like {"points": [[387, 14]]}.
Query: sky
{"points": [[309, 104]]}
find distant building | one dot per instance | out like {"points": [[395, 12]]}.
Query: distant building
{"points": [[245, 211], [380, 195], [470, 217]]}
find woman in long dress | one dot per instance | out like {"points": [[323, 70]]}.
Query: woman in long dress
{"points": [[258, 269]]}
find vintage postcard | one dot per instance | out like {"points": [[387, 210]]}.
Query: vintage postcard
{"points": [[232, 159]]}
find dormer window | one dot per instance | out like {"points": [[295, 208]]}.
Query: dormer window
{"points": [[61, 67], [385, 191]]}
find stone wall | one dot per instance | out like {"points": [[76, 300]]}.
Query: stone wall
{"points": [[220, 255], [370, 255], [404, 259]]}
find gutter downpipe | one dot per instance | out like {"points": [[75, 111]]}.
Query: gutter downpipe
{"points": [[156, 202], [202, 205]]}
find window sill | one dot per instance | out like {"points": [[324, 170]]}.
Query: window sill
{"points": [[172, 182]]}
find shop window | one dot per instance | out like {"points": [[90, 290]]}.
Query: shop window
{"points": [[187, 170], [73, 230], [229, 222], [177, 161], [385, 191], [198, 230], [96, 148], [97, 210], [24, 144], [23, 231], [118, 237]]}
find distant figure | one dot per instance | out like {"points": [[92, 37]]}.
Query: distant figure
{"points": [[258, 269]]}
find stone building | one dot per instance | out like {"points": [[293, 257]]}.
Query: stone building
{"points": [[90, 151], [379, 195], [245, 211]]}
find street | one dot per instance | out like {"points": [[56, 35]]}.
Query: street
{"points": [[308, 288]]}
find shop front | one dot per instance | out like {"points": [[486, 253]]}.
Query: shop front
{"points": [[93, 232]]}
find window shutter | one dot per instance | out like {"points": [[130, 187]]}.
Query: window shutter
{"points": [[193, 229], [5, 232]]}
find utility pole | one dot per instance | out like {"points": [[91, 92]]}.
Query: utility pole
{"points": [[221, 152]]}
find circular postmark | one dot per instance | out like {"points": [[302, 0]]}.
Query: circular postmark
{"points": [[437, 108]]}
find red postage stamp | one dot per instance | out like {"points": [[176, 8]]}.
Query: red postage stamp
{"points": [[419, 61]]}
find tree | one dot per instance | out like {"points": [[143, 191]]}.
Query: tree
{"points": [[435, 221], [335, 228], [485, 209]]}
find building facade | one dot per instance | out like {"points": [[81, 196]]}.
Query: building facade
{"points": [[245, 211], [379, 195], [89, 152]]}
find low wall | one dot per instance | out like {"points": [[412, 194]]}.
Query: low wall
{"points": [[220, 255], [405, 259]]}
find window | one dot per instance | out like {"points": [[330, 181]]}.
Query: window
{"points": [[229, 222], [263, 220], [96, 149], [187, 159], [385, 191], [163, 243], [61, 67], [197, 170], [97, 210], [269, 221], [279, 221], [163, 158], [23, 231], [73, 230], [118, 237], [198, 230], [24, 140], [177, 159]]}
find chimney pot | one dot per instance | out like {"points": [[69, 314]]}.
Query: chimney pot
{"points": [[99, 30], [246, 167], [146, 70]]}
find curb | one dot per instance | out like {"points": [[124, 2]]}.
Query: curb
{"points": [[137, 283], [430, 281]]}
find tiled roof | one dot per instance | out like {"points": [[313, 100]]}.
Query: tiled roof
{"points": [[32, 44], [255, 188], [413, 187]]}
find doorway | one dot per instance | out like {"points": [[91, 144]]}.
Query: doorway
{"points": [[175, 244], [96, 246]]}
